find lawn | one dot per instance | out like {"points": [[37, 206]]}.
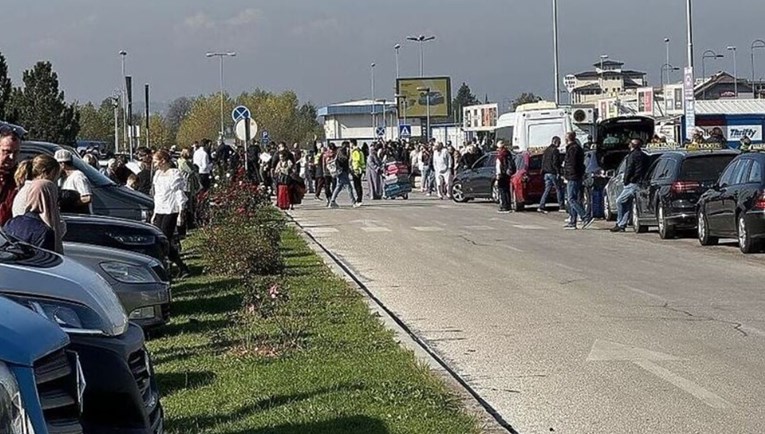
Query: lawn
{"points": [[340, 372]]}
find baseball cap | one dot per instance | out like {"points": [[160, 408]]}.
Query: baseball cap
{"points": [[63, 156]]}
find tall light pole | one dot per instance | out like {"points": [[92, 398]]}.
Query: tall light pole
{"points": [[666, 44], [374, 102], [735, 71], [116, 102], [422, 39], [556, 59], [426, 91], [756, 44], [123, 55], [689, 30], [220, 56], [708, 54], [399, 98], [397, 47]]}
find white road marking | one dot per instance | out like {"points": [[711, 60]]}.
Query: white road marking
{"points": [[611, 351], [515, 249], [479, 228], [566, 267], [427, 229], [447, 206], [373, 229], [646, 293], [322, 230], [529, 227]]}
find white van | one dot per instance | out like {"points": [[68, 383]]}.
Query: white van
{"points": [[537, 123]]}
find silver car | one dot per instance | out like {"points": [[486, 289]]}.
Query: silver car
{"points": [[139, 281], [616, 184]]}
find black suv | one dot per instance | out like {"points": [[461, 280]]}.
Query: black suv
{"points": [[735, 206], [674, 183]]}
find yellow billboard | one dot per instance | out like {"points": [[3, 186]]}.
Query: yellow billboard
{"points": [[419, 94]]}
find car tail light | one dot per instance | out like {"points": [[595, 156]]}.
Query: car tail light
{"points": [[679, 187], [759, 203]]}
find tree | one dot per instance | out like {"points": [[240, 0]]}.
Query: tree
{"points": [[160, 133], [464, 98], [97, 123], [42, 109], [203, 121], [525, 98], [178, 110], [5, 92]]}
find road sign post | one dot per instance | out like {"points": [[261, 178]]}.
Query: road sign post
{"points": [[246, 146], [404, 131], [239, 113], [689, 105]]}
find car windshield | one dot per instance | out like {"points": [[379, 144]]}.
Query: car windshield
{"points": [[535, 162], [704, 168], [540, 134]]}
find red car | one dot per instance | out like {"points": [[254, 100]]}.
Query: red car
{"points": [[528, 184]]}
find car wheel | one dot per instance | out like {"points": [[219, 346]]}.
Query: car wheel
{"points": [[515, 205], [457, 194], [703, 229], [636, 226], [745, 241], [666, 230], [609, 216]]}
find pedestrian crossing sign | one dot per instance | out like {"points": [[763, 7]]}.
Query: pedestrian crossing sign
{"points": [[405, 131]]}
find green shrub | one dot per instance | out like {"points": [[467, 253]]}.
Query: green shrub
{"points": [[241, 250]]}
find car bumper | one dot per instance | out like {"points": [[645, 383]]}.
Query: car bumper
{"points": [[755, 223], [144, 302], [121, 396]]}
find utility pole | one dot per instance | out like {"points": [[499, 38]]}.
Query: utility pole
{"points": [[556, 62]]}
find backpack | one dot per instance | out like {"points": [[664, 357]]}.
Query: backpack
{"points": [[332, 166]]}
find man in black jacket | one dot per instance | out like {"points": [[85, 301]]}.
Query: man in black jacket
{"points": [[634, 172], [552, 164], [573, 171]]}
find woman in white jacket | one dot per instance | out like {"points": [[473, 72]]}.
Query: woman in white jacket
{"points": [[442, 166], [169, 203]]}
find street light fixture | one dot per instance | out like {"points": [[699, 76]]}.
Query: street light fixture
{"points": [[666, 44], [735, 71], [556, 59], [397, 47], [756, 44], [426, 91], [220, 56], [123, 89], [401, 97], [374, 103], [422, 39], [709, 54]]}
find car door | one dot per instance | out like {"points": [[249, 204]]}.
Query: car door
{"points": [[471, 174], [616, 185], [485, 177], [643, 194], [731, 196], [713, 204], [660, 186]]}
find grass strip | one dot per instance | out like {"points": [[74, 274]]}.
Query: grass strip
{"points": [[344, 374]]}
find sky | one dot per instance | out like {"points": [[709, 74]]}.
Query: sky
{"points": [[323, 49]]}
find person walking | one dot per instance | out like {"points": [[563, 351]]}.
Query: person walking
{"points": [[504, 170], [573, 171], [442, 169], [169, 203], [192, 188], [204, 164], [343, 177], [318, 164], [36, 217], [358, 168], [144, 175], [426, 170], [635, 170], [375, 172], [328, 160], [552, 164], [10, 142], [76, 192], [282, 174]]}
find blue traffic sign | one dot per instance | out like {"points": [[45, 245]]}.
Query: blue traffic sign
{"points": [[380, 131], [405, 131], [239, 113], [264, 135]]}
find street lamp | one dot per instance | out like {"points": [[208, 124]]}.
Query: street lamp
{"points": [[666, 43], [709, 54], [735, 71], [220, 56], [757, 43], [422, 39], [397, 47], [426, 91], [556, 61], [399, 98], [374, 103]]}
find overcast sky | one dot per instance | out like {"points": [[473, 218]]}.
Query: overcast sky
{"points": [[323, 48]]}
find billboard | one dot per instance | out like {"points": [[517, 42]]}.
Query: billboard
{"points": [[414, 103], [645, 101], [480, 117]]}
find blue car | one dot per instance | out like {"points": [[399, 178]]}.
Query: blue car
{"points": [[41, 381]]}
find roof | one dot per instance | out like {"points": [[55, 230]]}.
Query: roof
{"points": [[587, 74], [608, 63], [588, 87], [360, 107], [722, 78], [631, 72], [631, 84], [730, 106]]}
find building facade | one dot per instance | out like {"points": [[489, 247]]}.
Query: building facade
{"points": [[608, 80]]}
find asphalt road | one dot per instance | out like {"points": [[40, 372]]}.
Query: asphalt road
{"points": [[573, 331]]}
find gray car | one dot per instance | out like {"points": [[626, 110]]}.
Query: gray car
{"points": [[616, 184], [136, 279]]}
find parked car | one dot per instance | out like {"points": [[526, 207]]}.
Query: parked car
{"points": [[117, 233], [121, 393], [476, 182], [527, 185], [109, 199], [139, 281], [37, 366], [674, 183], [433, 97], [615, 184], [735, 205]]}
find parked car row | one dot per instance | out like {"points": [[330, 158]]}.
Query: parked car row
{"points": [[72, 345]]}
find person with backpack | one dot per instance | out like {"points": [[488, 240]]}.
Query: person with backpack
{"points": [[341, 166], [505, 168]]}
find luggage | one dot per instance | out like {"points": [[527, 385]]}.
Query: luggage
{"points": [[396, 181]]}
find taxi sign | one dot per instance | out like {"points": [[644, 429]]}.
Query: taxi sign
{"points": [[537, 150], [711, 146]]}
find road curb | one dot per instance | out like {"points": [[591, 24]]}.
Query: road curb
{"points": [[492, 422]]}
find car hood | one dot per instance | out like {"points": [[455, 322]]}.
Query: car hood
{"points": [[65, 279], [96, 254], [92, 219], [26, 336]]}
